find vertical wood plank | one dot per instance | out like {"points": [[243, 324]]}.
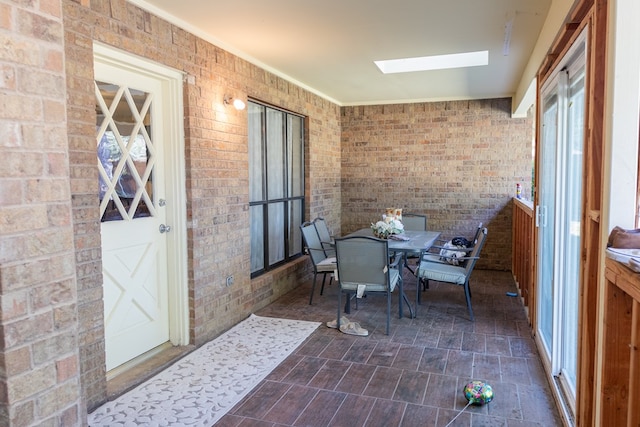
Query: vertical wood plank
{"points": [[634, 368], [522, 251], [614, 391], [588, 349]]}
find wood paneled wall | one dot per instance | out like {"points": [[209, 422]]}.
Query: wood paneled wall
{"points": [[616, 400], [523, 255]]}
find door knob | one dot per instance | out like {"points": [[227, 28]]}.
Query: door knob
{"points": [[164, 228]]}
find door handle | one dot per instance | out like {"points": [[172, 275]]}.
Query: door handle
{"points": [[164, 228], [541, 216]]}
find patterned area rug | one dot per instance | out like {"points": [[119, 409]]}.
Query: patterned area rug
{"points": [[200, 388]]}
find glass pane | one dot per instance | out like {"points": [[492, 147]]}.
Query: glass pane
{"points": [[572, 227], [124, 151], [295, 146], [256, 221], [295, 235], [256, 153], [276, 163], [547, 209], [276, 232], [275, 154]]}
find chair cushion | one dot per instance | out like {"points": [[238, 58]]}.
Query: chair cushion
{"points": [[442, 272], [394, 277], [327, 264]]}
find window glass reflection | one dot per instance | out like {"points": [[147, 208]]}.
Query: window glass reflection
{"points": [[125, 152]]}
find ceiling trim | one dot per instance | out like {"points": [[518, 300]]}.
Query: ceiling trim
{"points": [[222, 45]]}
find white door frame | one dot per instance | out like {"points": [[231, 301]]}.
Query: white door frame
{"points": [[574, 61], [174, 170]]}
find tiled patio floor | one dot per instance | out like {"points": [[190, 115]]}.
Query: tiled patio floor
{"points": [[416, 375]]}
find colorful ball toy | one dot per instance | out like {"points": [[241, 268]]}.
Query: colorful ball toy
{"points": [[478, 393]]}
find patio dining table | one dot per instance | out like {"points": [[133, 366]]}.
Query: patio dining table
{"points": [[411, 241]]}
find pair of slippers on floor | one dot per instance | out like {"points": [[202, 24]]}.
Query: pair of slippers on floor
{"points": [[348, 327]]}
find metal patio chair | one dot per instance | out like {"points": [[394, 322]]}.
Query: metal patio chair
{"points": [[364, 268], [456, 274], [414, 222], [433, 255], [322, 264], [325, 236]]}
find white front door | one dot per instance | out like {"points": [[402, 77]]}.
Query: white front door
{"points": [[133, 207]]}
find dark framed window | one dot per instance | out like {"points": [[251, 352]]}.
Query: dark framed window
{"points": [[276, 186]]}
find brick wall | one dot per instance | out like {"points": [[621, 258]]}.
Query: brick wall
{"points": [[216, 170], [457, 162], [39, 361]]}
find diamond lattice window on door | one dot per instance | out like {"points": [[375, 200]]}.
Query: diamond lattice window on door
{"points": [[125, 152]]}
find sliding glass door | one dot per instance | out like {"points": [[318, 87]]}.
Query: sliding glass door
{"points": [[546, 218], [559, 217]]}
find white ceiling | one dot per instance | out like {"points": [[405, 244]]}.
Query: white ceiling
{"points": [[328, 46]]}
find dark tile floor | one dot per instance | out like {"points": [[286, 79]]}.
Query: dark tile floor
{"points": [[415, 376]]}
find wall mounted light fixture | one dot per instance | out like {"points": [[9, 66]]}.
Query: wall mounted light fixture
{"points": [[236, 102]]}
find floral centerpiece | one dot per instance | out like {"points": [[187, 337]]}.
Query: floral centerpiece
{"points": [[383, 229]]}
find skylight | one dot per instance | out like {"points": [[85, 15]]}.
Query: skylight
{"points": [[436, 62]]}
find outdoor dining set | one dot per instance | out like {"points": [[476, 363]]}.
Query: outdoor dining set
{"points": [[372, 260]]}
